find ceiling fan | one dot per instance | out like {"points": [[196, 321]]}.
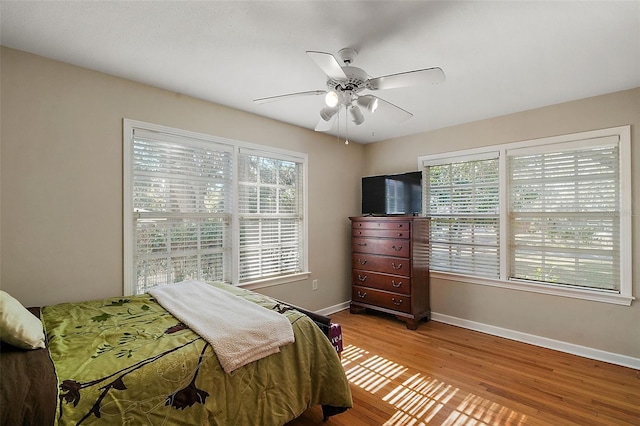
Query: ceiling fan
{"points": [[345, 84]]}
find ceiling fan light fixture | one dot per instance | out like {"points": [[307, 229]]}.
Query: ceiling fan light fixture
{"points": [[356, 115], [327, 113], [332, 99]]}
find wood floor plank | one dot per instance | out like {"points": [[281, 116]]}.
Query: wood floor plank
{"points": [[445, 375]]}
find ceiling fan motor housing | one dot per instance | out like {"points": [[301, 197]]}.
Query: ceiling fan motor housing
{"points": [[356, 81]]}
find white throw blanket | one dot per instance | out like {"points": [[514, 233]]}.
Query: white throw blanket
{"points": [[239, 331]]}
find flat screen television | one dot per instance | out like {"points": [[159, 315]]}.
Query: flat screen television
{"points": [[398, 194]]}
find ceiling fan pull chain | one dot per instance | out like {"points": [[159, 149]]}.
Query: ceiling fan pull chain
{"points": [[338, 118], [346, 127]]}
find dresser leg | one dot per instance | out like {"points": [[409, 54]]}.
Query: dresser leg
{"points": [[412, 324], [356, 309]]}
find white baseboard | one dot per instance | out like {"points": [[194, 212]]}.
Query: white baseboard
{"points": [[558, 345], [335, 308], [544, 342]]}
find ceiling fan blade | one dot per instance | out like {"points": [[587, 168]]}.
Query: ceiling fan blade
{"points": [[325, 126], [289, 95], [411, 78], [392, 111], [328, 63]]}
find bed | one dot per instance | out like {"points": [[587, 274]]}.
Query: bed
{"points": [[127, 360]]}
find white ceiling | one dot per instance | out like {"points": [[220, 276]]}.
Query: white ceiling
{"points": [[498, 57]]}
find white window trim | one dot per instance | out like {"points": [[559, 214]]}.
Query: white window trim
{"points": [[624, 297], [128, 236], [270, 282]]}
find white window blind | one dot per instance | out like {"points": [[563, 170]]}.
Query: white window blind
{"points": [[271, 215], [462, 198], [181, 209], [563, 213]]}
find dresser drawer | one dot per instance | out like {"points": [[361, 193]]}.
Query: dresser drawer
{"points": [[394, 283], [380, 225], [383, 246], [384, 264], [381, 233], [396, 302]]}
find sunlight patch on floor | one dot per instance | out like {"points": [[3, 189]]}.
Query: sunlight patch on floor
{"points": [[372, 373], [419, 399]]}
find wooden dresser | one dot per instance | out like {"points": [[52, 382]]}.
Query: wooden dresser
{"points": [[390, 266]]}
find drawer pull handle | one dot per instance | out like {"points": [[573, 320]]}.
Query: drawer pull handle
{"points": [[399, 225], [362, 295], [399, 234], [396, 248], [397, 303], [362, 244], [362, 261], [393, 283], [361, 278], [396, 267]]}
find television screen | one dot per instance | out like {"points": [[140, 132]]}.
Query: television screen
{"points": [[392, 194]]}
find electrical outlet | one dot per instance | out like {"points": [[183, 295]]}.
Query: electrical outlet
{"points": [[314, 285]]}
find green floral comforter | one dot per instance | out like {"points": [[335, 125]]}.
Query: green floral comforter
{"points": [[127, 361]]}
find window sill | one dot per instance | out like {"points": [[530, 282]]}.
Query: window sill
{"points": [[576, 293], [270, 282]]}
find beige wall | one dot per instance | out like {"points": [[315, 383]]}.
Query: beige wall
{"points": [[61, 183], [61, 193], [596, 325]]}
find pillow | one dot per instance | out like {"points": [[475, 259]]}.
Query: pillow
{"points": [[18, 326]]}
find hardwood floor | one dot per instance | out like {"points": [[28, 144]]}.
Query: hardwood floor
{"points": [[446, 375]]}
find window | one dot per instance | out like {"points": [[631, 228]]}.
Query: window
{"points": [[550, 215], [180, 194], [461, 197], [562, 215], [270, 211], [207, 208]]}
